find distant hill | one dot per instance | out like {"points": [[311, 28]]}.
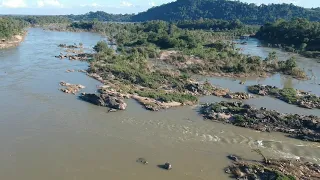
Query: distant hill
{"points": [[101, 16], [226, 10]]}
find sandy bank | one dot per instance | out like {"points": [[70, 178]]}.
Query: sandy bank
{"points": [[13, 42]]}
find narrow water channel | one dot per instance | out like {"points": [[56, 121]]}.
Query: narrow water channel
{"points": [[45, 134]]}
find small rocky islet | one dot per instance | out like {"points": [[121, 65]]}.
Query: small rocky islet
{"points": [[288, 95], [244, 115]]}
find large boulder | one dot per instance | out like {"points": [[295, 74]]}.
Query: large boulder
{"points": [[93, 98], [114, 102]]}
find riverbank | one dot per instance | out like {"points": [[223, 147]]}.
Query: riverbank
{"points": [[12, 42]]}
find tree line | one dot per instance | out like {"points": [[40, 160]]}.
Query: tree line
{"points": [[226, 10], [297, 35], [10, 27]]}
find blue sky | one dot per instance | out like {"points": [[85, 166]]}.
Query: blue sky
{"points": [[50, 7]]}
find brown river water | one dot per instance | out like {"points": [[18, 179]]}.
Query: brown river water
{"points": [[45, 134]]}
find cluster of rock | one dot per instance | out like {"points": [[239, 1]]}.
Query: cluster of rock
{"points": [[72, 70], [71, 88], [239, 95], [70, 46], [111, 99], [81, 56], [155, 105], [244, 115], [207, 89], [302, 99], [272, 169], [96, 77], [166, 166]]}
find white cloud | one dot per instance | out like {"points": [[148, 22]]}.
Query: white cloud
{"points": [[126, 4], [55, 3], [13, 3], [152, 3], [92, 5], [40, 3]]}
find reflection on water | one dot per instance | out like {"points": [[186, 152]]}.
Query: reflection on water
{"points": [[46, 134]]}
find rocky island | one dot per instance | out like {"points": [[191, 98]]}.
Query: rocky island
{"points": [[271, 169], [244, 115], [288, 95]]}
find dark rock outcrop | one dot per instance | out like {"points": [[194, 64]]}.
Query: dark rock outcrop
{"points": [[240, 114], [273, 169], [106, 100], [93, 99]]}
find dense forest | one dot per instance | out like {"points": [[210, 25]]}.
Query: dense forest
{"points": [[202, 11], [100, 16], [10, 27], [298, 35], [226, 10], [218, 25]]}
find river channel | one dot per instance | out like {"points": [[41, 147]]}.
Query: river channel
{"points": [[46, 134]]}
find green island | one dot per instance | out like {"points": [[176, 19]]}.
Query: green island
{"points": [[244, 115], [154, 62], [288, 95]]}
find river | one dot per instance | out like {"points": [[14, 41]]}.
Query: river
{"points": [[46, 134]]}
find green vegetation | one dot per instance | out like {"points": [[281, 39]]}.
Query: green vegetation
{"points": [[10, 27], [101, 16], [226, 10], [297, 35], [195, 51], [42, 20], [132, 68], [281, 176], [288, 95], [234, 26], [244, 115]]}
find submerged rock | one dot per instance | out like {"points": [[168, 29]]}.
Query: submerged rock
{"points": [[167, 166], [71, 88], [233, 157], [238, 95], [69, 46], [142, 161]]}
